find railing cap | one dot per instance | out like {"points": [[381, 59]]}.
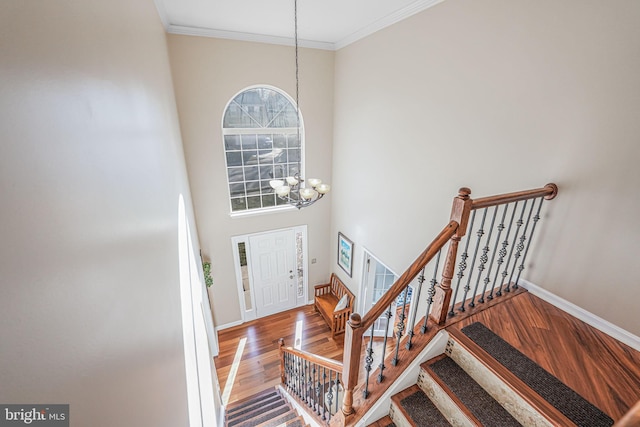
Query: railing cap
{"points": [[464, 193]]}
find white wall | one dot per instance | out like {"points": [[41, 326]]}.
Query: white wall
{"points": [[498, 96], [207, 74], [91, 169]]}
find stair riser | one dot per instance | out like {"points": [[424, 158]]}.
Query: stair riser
{"points": [[398, 417], [443, 402], [501, 392]]}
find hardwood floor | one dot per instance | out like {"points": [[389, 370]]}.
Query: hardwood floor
{"points": [[259, 365], [601, 369]]}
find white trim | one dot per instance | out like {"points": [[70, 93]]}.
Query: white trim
{"points": [[597, 322], [247, 37], [404, 13], [162, 13], [229, 325]]}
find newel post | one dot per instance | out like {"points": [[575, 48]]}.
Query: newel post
{"points": [[351, 362], [460, 213], [281, 348]]}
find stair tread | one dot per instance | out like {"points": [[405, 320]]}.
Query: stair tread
{"points": [[263, 417], [259, 406], [418, 408], [480, 403], [383, 422], [256, 398], [278, 419]]}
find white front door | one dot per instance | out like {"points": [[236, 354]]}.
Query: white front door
{"points": [[273, 269]]}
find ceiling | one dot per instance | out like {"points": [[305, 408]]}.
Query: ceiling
{"points": [[323, 24]]}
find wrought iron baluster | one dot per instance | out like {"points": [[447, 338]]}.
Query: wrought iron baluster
{"points": [[467, 287], [400, 326], [384, 345], [317, 379], [484, 258], [298, 382], [519, 223], [431, 293], [368, 362], [462, 266], [337, 391], [324, 383], [536, 218], [414, 309], [487, 278], [306, 382], [503, 250], [329, 397], [520, 246]]}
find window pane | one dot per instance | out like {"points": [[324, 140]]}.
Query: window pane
{"points": [[265, 156], [236, 189], [235, 174], [254, 202], [294, 155], [250, 157], [251, 173], [266, 172], [232, 142], [253, 187], [238, 204], [234, 158], [249, 141], [269, 200], [293, 141], [265, 142], [280, 141]]}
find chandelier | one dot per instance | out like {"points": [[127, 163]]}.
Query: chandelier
{"points": [[295, 190]]}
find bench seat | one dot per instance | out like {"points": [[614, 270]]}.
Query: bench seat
{"points": [[326, 298]]}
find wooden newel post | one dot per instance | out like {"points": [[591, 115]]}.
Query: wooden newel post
{"points": [[459, 213], [351, 362], [281, 347]]}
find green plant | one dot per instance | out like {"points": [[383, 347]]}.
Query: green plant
{"points": [[206, 267]]}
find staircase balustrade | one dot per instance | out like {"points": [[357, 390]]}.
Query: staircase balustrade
{"points": [[498, 230], [314, 380]]}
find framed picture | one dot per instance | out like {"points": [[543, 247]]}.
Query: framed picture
{"points": [[345, 254]]}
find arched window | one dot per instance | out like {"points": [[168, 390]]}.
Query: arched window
{"points": [[260, 143]]}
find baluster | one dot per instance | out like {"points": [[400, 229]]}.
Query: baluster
{"points": [[306, 382], [324, 383], [329, 397], [384, 345], [521, 245], [337, 390], [297, 375], [317, 379], [483, 259], [503, 250], [536, 218], [519, 223], [467, 287], [462, 266], [431, 293], [500, 227], [414, 309], [368, 362], [400, 332]]}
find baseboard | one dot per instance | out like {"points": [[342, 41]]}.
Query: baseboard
{"points": [[229, 325], [608, 328]]}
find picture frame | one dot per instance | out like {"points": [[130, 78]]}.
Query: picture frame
{"points": [[345, 254]]}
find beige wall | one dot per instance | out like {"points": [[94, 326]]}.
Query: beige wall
{"points": [[207, 73], [499, 96], [91, 169]]}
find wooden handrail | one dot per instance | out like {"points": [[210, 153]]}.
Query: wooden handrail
{"points": [[631, 418], [403, 281], [549, 192], [314, 358]]}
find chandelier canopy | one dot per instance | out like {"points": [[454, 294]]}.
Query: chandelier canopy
{"points": [[295, 190]]}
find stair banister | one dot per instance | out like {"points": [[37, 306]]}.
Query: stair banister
{"points": [[631, 418], [549, 191], [357, 325]]}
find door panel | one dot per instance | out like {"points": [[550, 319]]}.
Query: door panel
{"points": [[273, 261]]}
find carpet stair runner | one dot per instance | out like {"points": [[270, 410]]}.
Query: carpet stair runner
{"points": [[265, 409], [452, 389]]}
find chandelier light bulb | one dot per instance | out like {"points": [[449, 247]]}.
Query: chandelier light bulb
{"points": [[314, 182], [283, 190], [323, 188], [292, 181], [275, 183], [307, 193]]}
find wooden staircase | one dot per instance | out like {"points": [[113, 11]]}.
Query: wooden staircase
{"points": [[265, 409]]}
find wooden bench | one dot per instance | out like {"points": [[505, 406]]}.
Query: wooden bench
{"points": [[326, 298]]}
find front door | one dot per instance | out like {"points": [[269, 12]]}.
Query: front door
{"points": [[273, 269]]}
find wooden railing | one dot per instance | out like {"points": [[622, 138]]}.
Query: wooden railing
{"points": [[314, 380], [443, 301], [487, 269], [631, 418]]}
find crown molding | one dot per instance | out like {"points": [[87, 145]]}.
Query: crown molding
{"points": [[162, 13], [248, 37], [388, 20]]}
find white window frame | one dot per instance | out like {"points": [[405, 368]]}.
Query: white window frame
{"points": [[261, 131]]}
